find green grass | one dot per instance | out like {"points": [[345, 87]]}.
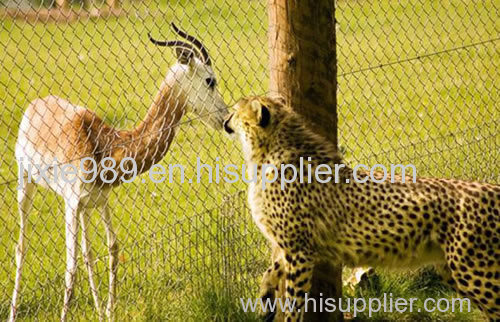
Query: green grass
{"points": [[192, 250], [422, 284]]}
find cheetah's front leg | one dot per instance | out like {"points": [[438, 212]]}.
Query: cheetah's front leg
{"points": [[269, 286], [270, 280], [299, 272]]}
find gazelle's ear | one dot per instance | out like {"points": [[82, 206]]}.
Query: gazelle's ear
{"points": [[261, 112], [184, 56]]}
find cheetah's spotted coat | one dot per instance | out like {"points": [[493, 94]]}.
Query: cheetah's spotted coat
{"points": [[451, 224]]}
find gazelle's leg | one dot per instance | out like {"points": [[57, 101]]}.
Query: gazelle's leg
{"points": [[25, 201], [71, 222], [113, 260], [89, 258]]}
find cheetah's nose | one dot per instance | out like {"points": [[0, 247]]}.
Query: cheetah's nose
{"points": [[227, 128]]}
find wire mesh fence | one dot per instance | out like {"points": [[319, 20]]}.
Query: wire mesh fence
{"points": [[418, 83]]}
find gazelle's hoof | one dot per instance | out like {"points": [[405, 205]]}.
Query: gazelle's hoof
{"points": [[12, 315]]}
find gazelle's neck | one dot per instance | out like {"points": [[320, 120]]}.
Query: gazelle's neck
{"points": [[148, 143]]}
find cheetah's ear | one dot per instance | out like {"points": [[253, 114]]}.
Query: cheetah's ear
{"points": [[278, 98], [263, 116]]}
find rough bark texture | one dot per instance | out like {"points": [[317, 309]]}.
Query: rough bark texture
{"points": [[113, 4], [303, 70], [63, 4], [303, 59]]}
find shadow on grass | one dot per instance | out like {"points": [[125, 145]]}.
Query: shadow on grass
{"points": [[421, 284], [214, 305]]}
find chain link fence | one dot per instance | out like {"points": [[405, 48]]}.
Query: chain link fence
{"points": [[418, 83]]}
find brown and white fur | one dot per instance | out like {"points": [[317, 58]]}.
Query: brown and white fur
{"points": [[53, 128]]}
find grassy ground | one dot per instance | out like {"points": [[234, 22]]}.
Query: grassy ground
{"points": [[191, 250]]}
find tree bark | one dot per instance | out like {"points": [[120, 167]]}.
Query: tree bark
{"points": [[303, 59], [303, 69], [113, 4], [63, 4]]}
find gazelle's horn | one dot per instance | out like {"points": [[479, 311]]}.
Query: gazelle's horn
{"points": [[172, 43], [204, 53], [183, 49]]}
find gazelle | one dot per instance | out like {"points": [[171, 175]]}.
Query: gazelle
{"points": [[53, 128]]}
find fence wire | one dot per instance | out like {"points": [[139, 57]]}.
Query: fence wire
{"points": [[417, 83]]}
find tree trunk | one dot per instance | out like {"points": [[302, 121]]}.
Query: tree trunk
{"points": [[113, 4], [303, 70], [63, 4]]}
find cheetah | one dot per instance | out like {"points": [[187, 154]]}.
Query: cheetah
{"points": [[451, 224]]}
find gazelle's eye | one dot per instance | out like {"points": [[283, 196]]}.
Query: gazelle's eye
{"points": [[211, 82]]}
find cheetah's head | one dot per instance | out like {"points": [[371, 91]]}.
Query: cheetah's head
{"points": [[255, 117]]}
